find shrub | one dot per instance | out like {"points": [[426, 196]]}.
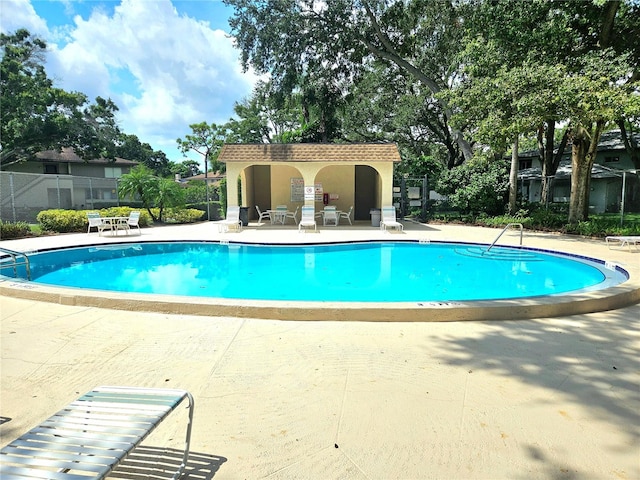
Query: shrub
{"points": [[181, 215], [63, 221], [9, 230]]}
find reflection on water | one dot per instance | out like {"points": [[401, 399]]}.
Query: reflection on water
{"points": [[376, 271]]}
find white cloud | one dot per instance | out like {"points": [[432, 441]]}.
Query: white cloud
{"points": [[163, 70], [16, 14]]}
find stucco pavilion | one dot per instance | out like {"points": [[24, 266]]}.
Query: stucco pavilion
{"points": [[344, 175]]}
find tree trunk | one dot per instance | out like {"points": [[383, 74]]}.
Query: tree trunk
{"points": [[583, 155], [513, 177], [550, 161]]}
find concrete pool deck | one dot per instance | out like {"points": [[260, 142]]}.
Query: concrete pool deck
{"points": [[557, 397]]}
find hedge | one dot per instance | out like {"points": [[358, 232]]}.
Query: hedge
{"points": [[65, 221]]}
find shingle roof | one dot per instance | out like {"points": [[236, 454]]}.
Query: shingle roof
{"points": [[309, 152], [69, 156]]}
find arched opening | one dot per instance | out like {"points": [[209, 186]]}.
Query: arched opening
{"points": [[267, 186]]}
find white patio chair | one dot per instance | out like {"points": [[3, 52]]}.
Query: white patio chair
{"points": [[132, 221], [347, 215], [389, 219], [95, 221], [308, 218], [292, 215], [263, 215]]}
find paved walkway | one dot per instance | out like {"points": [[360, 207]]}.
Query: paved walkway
{"points": [[543, 398]]}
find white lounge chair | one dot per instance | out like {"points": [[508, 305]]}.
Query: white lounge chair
{"points": [[91, 436], [308, 218], [232, 220], [95, 221], [330, 216], [347, 215], [263, 215], [389, 219], [621, 241]]}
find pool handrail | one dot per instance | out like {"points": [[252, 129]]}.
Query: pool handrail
{"points": [[509, 225], [14, 256]]}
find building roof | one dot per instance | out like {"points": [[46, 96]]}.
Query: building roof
{"points": [[564, 172], [309, 152], [211, 177], [609, 141], [67, 155]]}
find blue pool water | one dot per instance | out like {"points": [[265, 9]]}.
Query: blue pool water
{"points": [[362, 272]]}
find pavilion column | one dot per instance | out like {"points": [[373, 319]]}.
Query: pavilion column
{"points": [[309, 172], [385, 171], [233, 171]]}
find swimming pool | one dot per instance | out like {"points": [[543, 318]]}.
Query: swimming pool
{"points": [[349, 272]]}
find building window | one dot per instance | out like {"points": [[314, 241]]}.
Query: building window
{"points": [[611, 159], [112, 172], [50, 168], [525, 163]]}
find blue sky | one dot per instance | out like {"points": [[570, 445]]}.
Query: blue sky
{"points": [[165, 63]]}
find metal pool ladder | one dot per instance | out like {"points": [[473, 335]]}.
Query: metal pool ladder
{"points": [[18, 259], [509, 225]]}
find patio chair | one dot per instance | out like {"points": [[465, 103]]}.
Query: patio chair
{"points": [[263, 215], [91, 436], [347, 215], [389, 219], [132, 221], [308, 218], [292, 215], [330, 216], [95, 221], [232, 220]]}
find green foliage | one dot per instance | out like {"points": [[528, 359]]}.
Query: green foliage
{"points": [[36, 116], [186, 168], [153, 191], [205, 140], [130, 147], [182, 215], [66, 221], [63, 221], [600, 227], [9, 230], [477, 186]]}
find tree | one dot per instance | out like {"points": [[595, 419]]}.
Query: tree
{"points": [[138, 184], [478, 186], [186, 168], [206, 140], [589, 70], [153, 191], [341, 39], [166, 193], [36, 116], [131, 148]]}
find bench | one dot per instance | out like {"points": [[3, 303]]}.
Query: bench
{"points": [[90, 437]]}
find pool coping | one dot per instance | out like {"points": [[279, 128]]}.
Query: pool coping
{"points": [[611, 298]]}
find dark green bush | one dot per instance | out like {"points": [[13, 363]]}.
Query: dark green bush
{"points": [[477, 186], [9, 230]]}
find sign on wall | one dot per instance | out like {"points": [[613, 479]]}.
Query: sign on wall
{"points": [[297, 189]]}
